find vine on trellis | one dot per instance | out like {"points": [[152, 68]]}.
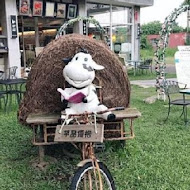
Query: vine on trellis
{"points": [[162, 44], [91, 20]]}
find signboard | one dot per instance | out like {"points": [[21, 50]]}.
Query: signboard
{"points": [[72, 11], [84, 27], [61, 10], [79, 133], [182, 63], [37, 8], [50, 7], [13, 26], [24, 7]]}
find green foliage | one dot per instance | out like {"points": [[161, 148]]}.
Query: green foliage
{"points": [[170, 52], [176, 28], [149, 53], [187, 42], [155, 28], [145, 53], [186, 2], [144, 43], [151, 28]]}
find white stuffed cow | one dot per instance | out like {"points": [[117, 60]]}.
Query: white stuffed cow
{"points": [[81, 96]]}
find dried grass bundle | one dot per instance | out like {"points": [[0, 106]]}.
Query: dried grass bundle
{"points": [[46, 76]]}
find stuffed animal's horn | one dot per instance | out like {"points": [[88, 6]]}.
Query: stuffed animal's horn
{"points": [[66, 60], [96, 66]]}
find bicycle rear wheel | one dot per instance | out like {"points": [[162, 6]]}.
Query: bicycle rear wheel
{"points": [[86, 178]]}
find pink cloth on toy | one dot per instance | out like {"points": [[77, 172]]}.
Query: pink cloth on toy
{"points": [[77, 98]]}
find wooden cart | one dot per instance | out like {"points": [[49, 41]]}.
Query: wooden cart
{"points": [[44, 127]]}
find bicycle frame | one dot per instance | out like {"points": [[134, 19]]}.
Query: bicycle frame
{"points": [[93, 177]]}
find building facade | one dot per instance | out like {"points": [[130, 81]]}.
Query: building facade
{"points": [[27, 24]]}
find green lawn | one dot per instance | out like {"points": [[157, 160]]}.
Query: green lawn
{"points": [[156, 159]]}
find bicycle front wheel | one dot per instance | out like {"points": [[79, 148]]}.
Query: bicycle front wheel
{"points": [[87, 178]]}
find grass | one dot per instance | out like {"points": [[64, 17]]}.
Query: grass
{"points": [[156, 159], [149, 53]]}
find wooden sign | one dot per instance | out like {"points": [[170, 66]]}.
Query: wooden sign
{"points": [[79, 133]]}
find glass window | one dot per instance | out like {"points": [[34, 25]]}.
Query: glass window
{"points": [[118, 23]]}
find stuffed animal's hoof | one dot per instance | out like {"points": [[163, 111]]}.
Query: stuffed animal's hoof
{"points": [[111, 117]]}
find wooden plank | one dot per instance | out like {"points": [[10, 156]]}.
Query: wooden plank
{"points": [[49, 118], [43, 118], [127, 113], [79, 133]]}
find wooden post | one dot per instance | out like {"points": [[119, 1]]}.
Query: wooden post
{"points": [[41, 153]]}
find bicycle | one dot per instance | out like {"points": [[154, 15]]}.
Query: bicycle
{"points": [[91, 174]]}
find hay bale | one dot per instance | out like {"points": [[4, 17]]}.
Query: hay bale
{"points": [[46, 76]]}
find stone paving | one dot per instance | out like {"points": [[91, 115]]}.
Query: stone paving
{"points": [[147, 83], [151, 83]]}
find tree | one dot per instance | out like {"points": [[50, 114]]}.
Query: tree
{"points": [[176, 28], [151, 28], [186, 2], [155, 28]]}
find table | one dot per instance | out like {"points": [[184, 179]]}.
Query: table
{"points": [[135, 64], [12, 87], [185, 92]]}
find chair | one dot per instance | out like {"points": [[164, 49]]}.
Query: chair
{"points": [[12, 72], [125, 64], [172, 89], [2, 75], [38, 50], [146, 65], [2, 97]]}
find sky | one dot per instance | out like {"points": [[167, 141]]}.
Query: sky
{"points": [[160, 10]]}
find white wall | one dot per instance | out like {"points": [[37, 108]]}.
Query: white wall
{"points": [[13, 43], [135, 40]]}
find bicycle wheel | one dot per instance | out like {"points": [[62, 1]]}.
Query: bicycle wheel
{"points": [[86, 178]]}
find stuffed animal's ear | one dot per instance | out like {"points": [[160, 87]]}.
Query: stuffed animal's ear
{"points": [[96, 66], [66, 60], [83, 50]]}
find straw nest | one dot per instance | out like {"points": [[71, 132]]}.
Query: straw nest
{"points": [[46, 76]]}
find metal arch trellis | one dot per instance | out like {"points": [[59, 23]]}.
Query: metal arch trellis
{"points": [[91, 20], [161, 47]]}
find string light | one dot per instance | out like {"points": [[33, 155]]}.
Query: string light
{"points": [[162, 44], [82, 18]]}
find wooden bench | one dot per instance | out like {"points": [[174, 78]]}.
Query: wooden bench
{"points": [[44, 127]]}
